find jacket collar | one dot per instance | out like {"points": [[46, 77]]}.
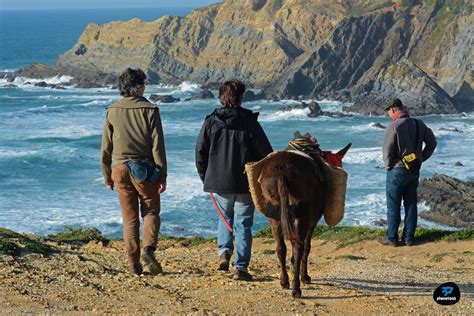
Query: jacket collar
{"points": [[133, 103]]}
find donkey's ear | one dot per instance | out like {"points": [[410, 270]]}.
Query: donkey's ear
{"points": [[297, 134], [344, 150], [307, 135]]}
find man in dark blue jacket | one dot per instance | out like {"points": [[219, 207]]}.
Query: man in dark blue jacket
{"points": [[231, 137]]}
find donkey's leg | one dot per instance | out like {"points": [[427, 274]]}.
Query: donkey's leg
{"points": [[305, 278], [281, 251], [298, 249]]}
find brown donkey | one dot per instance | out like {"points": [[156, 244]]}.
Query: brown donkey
{"points": [[296, 184]]}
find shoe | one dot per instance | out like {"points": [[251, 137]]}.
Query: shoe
{"points": [[150, 261], [384, 241], [408, 243], [242, 275], [224, 261], [136, 269]]}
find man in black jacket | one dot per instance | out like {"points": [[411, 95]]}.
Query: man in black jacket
{"points": [[231, 137]]}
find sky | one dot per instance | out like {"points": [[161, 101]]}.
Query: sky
{"points": [[96, 4]]}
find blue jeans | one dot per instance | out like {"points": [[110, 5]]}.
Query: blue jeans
{"points": [[238, 210], [401, 185]]}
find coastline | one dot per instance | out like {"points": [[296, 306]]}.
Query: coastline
{"points": [[359, 277]]}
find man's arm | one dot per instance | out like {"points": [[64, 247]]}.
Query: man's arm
{"points": [[430, 144], [390, 150], [158, 145], [106, 153], [202, 151], [261, 146]]}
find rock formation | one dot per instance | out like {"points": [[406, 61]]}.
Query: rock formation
{"points": [[450, 200], [358, 51]]}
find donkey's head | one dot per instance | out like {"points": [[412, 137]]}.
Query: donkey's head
{"points": [[335, 160], [308, 144]]}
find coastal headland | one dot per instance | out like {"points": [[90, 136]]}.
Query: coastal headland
{"points": [[81, 271], [356, 51]]}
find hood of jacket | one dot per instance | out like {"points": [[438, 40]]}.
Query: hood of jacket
{"points": [[232, 117]]}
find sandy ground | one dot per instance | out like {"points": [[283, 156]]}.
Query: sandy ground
{"points": [[365, 278]]}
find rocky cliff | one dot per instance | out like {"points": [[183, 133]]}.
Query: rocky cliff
{"points": [[355, 50]]}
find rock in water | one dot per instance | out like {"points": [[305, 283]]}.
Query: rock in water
{"points": [[203, 95], [451, 201], [163, 98]]}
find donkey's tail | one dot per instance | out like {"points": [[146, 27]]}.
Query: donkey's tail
{"points": [[286, 220]]}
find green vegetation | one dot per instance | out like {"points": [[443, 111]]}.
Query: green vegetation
{"points": [[268, 251], [15, 244], [78, 235], [438, 257], [348, 235]]}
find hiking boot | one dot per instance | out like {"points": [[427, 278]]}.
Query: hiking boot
{"points": [[242, 275], [150, 261], [407, 243], [224, 261], [136, 269], [384, 241]]}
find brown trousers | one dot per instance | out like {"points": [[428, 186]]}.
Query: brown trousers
{"points": [[130, 192]]}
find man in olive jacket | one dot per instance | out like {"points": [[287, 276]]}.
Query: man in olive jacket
{"points": [[133, 133], [403, 137]]}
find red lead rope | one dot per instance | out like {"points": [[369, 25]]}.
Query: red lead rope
{"points": [[220, 213]]}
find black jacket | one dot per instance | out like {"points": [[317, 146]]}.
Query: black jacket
{"points": [[229, 138]]}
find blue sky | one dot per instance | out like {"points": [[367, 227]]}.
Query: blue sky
{"points": [[92, 4]]}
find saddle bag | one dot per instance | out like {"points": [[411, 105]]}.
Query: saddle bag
{"points": [[142, 170]]}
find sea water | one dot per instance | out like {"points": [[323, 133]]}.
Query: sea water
{"points": [[50, 142]]}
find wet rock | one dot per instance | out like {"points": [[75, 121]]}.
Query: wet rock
{"points": [[378, 125], [450, 200], [314, 109], [88, 85], [380, 222], [456, 130], [249, 96], [458, 164], [203, 95], [163, 98]]}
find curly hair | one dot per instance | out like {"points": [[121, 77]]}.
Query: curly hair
{"points": [[130, 81], [231, 93]]}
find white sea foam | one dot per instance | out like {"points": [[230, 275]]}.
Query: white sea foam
{"points": [[301, 114], [367, 127], [8, 153], [372, 155], [188, 86], [25, 82]]}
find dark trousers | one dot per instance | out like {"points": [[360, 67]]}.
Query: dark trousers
{"points": [[401, 185], [130, 193]]}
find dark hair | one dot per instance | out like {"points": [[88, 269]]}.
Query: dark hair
{"points": [[130, 81], [231, 93]]}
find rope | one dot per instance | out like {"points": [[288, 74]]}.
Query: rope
{"points": [[220, 213]]}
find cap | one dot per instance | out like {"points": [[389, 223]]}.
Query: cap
{"points": [[393, 103]]}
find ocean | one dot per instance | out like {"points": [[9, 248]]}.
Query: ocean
{"points": [[50, 140]]}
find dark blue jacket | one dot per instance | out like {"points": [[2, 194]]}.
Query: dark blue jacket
{"points": [[229, 138]]}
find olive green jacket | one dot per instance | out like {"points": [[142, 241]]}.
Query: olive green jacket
{"points": [[132, 130]]}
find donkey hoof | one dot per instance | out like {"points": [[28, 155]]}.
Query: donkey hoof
{"points": [[285, 286], [306, 279], [296, 293]]}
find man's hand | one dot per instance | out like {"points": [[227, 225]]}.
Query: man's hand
{"points": [[161, 187]]}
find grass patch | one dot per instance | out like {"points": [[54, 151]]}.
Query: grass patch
{"points": [[78, 235], [268, 251], [348, 235], [350, 257], [15, 244], [438, 257], [268, 241]]}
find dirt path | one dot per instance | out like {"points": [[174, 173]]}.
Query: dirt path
{"points": [[365, 278]]}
